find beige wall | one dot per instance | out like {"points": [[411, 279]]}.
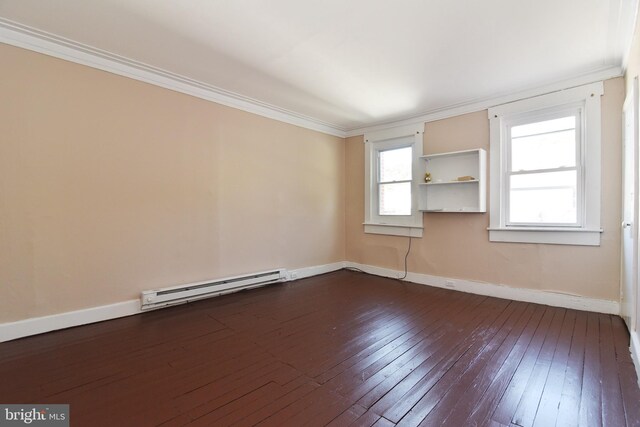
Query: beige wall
{"points": [[457, 245], [109, 186]]}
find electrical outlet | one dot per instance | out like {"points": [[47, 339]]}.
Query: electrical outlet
{"points": [[449, 284]]}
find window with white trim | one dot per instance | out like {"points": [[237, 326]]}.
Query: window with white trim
{"points": [[545, 168], [391, 177]]}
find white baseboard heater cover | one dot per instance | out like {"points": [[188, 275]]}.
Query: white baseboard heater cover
{"points": [[184, 293]]}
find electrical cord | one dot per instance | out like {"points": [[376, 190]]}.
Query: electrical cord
{"points": [[357, 270], [405, 260]]}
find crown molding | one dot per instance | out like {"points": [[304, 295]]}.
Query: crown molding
{"points": [[25, 37], [475, 105]]}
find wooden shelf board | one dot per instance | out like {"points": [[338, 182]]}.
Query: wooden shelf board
{"points": [[453, 210], [449, 182]]}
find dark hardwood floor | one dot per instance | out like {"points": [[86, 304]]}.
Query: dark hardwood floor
{"points": [[340, 349]]}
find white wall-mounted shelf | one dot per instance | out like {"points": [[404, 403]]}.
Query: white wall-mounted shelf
{"points": [[450, 182], [445, 193]]}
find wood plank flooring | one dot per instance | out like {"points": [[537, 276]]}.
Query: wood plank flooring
{"points": [[340, 349]]}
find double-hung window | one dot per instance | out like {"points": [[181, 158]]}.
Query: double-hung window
{"points": [[391, 177], [545, 168], [394, 181]]}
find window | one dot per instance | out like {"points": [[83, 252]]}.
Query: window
{"points": [[543, 173], [545, 154], [391, 176], [394, 181]]}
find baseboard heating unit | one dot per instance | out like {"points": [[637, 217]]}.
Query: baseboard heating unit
{"points": [[195, 291]]}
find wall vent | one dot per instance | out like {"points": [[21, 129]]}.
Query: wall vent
{"points": [[194, 291]]}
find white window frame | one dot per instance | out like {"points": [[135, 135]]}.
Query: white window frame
{"points": [[585, 101], [527, 118], [388, 139]]}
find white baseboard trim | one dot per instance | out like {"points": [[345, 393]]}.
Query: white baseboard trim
{"points": [[23, 328], [39, 325], [635, 353], [316, 270], [499, 291]]}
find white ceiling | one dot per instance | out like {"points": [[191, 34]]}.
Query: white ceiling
{"points": [[351, 63]]}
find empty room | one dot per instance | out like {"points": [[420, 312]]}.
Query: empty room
{"points": [[305, 213]]}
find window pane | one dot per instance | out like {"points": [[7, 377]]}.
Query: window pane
{"points": [[553, 146], [395, 199], [555, 125], [544, 198], [395, 165]]}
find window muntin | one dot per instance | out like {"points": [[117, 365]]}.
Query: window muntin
{"points": [[394, 181], [543, 174]]}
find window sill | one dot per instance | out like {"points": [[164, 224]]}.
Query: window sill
{"points": [[553, 236], [393, 230]]}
